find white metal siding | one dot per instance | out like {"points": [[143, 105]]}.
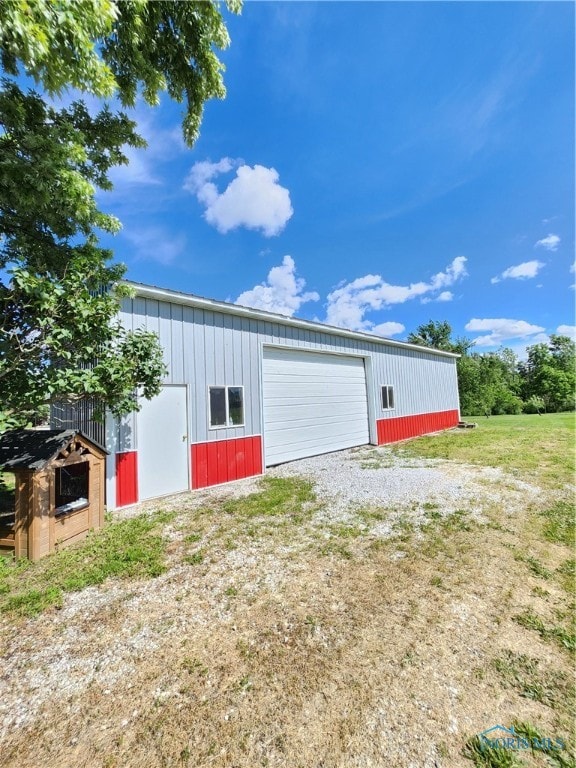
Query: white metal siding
{"points": [[203, 348], [313, 403]]}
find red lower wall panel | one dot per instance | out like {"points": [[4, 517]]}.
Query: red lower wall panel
{"points": [[403, 427], [224, 460], [126, 478]]}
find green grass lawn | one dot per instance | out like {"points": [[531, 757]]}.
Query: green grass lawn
{"points": [[128, 548], [531, 447]]}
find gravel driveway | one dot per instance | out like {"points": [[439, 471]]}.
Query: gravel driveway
{"points": [[109, 646], [406, 486]]}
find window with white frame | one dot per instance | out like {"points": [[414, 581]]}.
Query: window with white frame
{"points": [[387, 398], [226, 406]]}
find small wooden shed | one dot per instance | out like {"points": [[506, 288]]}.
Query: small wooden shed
{"points": [[59, 489]]}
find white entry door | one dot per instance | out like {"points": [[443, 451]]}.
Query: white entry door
{"points": [[313, 403], [162, 435]]}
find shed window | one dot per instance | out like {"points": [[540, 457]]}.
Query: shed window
{"points": [[226, 406], [72, 487], [387, 398]]}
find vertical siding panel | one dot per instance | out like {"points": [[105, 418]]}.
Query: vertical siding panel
{"points": [[188, 370], [221, 461], [211, 463], [254, 362], [218, 351], [203, 473], [203, 357], [139, 309], [231, 466], [250, 397], [255, 455], [152, 309], [177, 340], [195, 466], [177, 344], [165, 333], [257, 466], [228, 345], [126, 478], [126, 314], [241, 470], [236, 335]]}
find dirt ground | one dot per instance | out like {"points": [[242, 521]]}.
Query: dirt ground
{"points": [[295, 642]]}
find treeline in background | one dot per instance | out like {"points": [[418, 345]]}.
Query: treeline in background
{"points": [[494, 383]]}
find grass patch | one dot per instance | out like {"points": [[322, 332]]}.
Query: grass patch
{"points": [[374, 458], [567, 575], [485, 756], [342, 531], [559, 635], [530, 446], [336, 548], [525, 675], [196, 558], [534, 566], [287, 497], [533, 742], [560, 523], [546, 745], [129, 548]]}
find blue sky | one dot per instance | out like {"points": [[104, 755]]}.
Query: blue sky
{"points": [[375, 165]]}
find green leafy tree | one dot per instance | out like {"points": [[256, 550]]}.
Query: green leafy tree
{"points": [[108, 47], [438, 335], [487, 383], [549, 373], [59, 290]]}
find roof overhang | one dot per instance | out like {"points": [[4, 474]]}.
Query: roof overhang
{"points": [[190, 300]]}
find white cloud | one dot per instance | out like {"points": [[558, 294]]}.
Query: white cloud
{"points": [[349, 302], [567, 330], [138, 171], [550, 243], [253, 199], [501, 329], [454, 271], [524, 271], [388, 329], [155, 244], [444, 296], [163, 143], [199, 180], [282, 292]]}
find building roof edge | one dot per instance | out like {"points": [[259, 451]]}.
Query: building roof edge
{"points": [[191, 300]]}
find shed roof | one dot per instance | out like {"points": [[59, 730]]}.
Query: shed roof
{"points": [[34, 448]]}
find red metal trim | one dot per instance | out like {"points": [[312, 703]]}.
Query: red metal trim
{"points": [[403, 427], [126, 478], [221, 461]]}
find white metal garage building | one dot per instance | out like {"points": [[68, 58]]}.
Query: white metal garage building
{"points": [[248, 389]]}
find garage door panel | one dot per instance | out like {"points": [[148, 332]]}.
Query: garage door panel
{"points": [[289, 430], [315, 414], [312, 447], [313, 403], [325, 404]]}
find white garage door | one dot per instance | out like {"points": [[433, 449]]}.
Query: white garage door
{"points": [[313, 403]]}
